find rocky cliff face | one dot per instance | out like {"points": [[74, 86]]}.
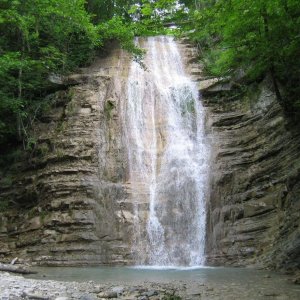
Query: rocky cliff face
{"points": [[75, 178], [76, 181], [254, 206]]}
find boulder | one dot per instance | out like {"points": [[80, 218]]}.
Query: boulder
{"points": [[214, 86]]}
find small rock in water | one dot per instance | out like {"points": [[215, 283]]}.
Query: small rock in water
{"points": [[108, 295], [142, 290], [35, 296], [133, 289], [86, 297], [118, 289], [150, 293], [98, 289]]}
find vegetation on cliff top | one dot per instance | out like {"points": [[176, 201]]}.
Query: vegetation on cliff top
{"points": [[255, 37], [43, 37]]}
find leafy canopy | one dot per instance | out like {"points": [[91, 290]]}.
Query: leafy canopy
{"points": [[257, 36], [41, 37]]}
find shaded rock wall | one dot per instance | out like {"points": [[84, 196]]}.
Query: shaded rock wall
{"points": [[254, 208]]}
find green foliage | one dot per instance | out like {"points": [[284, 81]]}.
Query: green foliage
{"points": [[104, 10], [257, 36], [7, 181], [108, 108], [117, 29], [4, 205], [38, 37], [10, 159], [43, 37], [149, 17]]}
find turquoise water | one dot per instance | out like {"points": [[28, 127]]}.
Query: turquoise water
{"points": [[135, 275], [223, 283]]}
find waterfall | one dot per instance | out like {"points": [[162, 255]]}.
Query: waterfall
{"points": [[167, 158]]}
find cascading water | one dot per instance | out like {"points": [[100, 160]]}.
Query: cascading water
{"points": [[168, 159]]}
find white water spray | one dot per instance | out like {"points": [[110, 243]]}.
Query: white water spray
{"points": [[168, 159]]}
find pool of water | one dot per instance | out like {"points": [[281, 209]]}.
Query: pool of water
{"points": [[211, 282], [139, 274]]}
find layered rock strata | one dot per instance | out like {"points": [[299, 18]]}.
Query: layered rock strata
{"points": [[77, 184], [74, 181], [254, 207]]}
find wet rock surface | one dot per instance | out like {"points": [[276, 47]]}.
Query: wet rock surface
{"points": [[253, 212]]}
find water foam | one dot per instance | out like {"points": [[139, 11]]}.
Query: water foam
{"points": [[168, 159]]}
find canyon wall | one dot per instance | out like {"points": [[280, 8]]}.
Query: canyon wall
{"points": [[74, 181], [254, 205], [74, 190]]}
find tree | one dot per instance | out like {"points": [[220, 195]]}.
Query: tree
{"points": [[258, 36], [40, 37], [37, 37]]}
